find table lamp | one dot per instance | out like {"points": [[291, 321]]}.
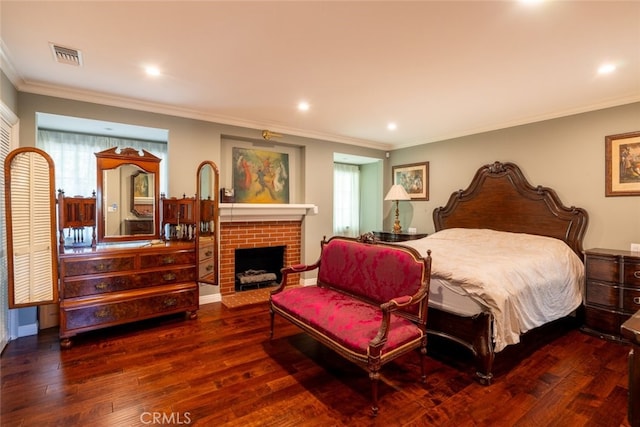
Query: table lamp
{"points": [[397, 193]]}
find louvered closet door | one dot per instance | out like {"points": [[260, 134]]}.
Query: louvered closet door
{"points": [[31, 222]]}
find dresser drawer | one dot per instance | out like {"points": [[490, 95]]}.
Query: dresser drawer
{"points": [[175, 275], [72, 267], [205, 252], [631, 300], [97, 285], [632, 274], [127, 310], [604, 294], [607, 269], [604, 321], [73, 288], [168, 259], [206, 268]]}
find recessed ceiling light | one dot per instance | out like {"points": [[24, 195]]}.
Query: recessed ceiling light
{"points": [[152, 71], [392, 126], [606, 68], [303, 106]]}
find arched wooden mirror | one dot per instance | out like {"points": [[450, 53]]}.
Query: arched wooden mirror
{"points": [[128, 192], [31, 228], [208, 225]]}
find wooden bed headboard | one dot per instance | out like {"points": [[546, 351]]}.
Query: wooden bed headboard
{"points": [[500, 198]]}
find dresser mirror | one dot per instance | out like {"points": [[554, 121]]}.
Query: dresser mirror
{"points": [[127, 195], [207, 218], [30, 202]]}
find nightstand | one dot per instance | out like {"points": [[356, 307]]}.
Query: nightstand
{"points": [[387, 236], [612, 290]]}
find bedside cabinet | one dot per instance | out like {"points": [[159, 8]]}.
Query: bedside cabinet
{"points": [[385, 236], [612, 290]]}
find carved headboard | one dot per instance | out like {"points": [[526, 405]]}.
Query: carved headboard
{"points": [[500, 198]]}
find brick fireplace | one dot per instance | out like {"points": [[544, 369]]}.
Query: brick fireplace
{"points": [[246, 225], [257, 234]]}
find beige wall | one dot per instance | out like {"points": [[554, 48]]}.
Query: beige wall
{"points": [[566, 154]]}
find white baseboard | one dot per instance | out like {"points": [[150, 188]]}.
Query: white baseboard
{"points": [[27, 330], [208, 299]]}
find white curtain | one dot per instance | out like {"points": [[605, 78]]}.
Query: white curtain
{"points": [[346, 200], [75, 162]]}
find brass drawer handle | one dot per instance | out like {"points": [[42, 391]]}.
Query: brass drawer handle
{"points": [[209, 267], [636, 274], [168, 260], [170, 302], [208, 253], [102, 313], [168, 277], [102, 286], [101, 267], [636, 300]]}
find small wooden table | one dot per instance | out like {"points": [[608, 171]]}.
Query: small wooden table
{"points": [[387, 236], [631, 331]]}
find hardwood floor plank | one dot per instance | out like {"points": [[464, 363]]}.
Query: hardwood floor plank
{"points": [[223, 370]]}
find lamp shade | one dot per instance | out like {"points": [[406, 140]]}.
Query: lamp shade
{"points": [[397, 192]]}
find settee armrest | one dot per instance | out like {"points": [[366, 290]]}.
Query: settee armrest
{"points": [[392, 305], [293, 269]]}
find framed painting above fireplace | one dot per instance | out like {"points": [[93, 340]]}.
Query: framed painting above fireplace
{"points": [[260, 176]]}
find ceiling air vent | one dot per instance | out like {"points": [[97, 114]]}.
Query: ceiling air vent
{"points": [[66, 55]]}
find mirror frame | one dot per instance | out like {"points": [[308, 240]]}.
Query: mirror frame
{"points": [[215, 185], [111, 159]]}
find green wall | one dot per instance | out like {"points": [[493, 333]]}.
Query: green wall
{"points": [[566, 154], [192, 141]]}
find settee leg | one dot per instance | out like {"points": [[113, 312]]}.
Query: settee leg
{"points": [[272, 314], [375, 378], [423, 364]]}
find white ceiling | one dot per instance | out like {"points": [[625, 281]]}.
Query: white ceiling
{"points": [[437, 69]]}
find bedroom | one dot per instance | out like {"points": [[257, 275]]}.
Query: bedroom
{"points": [[566, 153]]}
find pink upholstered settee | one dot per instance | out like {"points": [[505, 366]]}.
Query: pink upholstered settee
{"points": [[369, 304]]}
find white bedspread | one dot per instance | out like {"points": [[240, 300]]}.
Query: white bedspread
{"points": [[525, 280]]}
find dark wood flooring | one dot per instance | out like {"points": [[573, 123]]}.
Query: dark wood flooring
{"points": [[222, 370]]}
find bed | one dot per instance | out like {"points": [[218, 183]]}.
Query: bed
{"points": [[501, 207]]}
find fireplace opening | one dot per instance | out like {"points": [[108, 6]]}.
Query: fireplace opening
{"points": [[258, 267]]}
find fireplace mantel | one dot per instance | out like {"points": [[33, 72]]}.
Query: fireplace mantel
{"points": [[238, 212]]}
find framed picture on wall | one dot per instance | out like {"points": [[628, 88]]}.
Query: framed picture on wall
{"points": [[622, 164], [260, 176], [414, 178]]}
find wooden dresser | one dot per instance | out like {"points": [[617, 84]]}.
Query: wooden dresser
{"points": [[612, 290], [120, 283]]}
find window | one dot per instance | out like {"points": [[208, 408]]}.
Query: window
{"points": [[346, 200]]}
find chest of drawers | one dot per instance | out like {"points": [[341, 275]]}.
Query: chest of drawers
{"points": [[612, 290], [114, 284]]}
